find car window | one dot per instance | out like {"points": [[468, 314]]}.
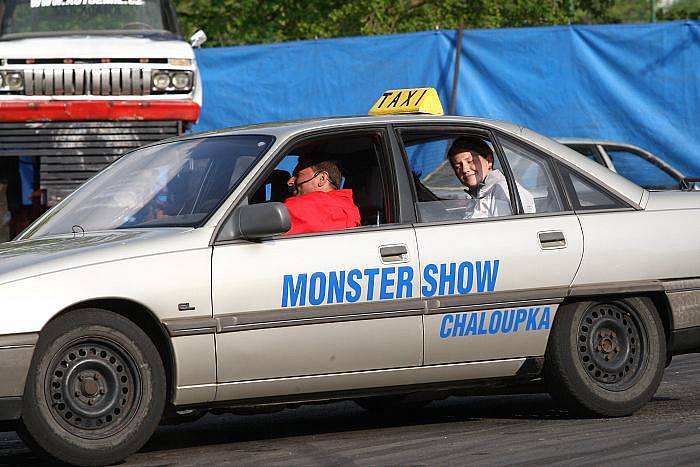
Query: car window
{"points": [[642, 172], [360, 160], [533, 177], [585, 195], [441, 194], [170, 184]]}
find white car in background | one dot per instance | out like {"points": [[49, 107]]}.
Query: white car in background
{"points": [[639, 165]]}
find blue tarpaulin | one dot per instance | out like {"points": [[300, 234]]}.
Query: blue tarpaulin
{"points": [[631, 83]]}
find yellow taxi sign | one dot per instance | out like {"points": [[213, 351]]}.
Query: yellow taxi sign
{"points": [[403, 101]]}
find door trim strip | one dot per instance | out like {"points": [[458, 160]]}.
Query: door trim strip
{"points": [[264, 319], [14, 341], [617, 288], [229, 324], [494, 305], [510, 299]]}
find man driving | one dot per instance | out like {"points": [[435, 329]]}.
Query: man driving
{"points": [[318, 203]]}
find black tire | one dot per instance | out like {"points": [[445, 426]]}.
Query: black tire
{"points": [[95, 392], [605, 358]]}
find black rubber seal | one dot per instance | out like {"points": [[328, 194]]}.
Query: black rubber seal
{"points": [[10, 408], [685, 341]]}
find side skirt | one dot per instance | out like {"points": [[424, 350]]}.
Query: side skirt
{"points": [[482, 377]]}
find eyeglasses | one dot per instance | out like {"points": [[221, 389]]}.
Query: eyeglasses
{"points": [[298, 184], [308, 179]]}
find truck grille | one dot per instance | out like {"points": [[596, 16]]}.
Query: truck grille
{"points": [[79, 81], [72, 152]]}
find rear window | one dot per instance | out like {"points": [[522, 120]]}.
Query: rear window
{"points": [[586, 195]]}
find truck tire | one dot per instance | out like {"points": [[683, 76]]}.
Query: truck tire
{"points": [[605, 358], [95, 392]]}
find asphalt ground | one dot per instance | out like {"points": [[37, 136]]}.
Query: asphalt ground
{"points": [[494, 430]]}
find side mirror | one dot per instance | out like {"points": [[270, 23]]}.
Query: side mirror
{"points": [[255, 221], [198, 38]]}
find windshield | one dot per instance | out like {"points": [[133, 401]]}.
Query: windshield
{"points": [[175, 184], [51, 17]]}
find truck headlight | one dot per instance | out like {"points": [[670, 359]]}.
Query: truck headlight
{"points": [[180, 80], [12, 81], [161, 81], [175, 81]]}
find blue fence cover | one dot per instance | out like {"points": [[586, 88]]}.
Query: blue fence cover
{"points": [[631, 83]]}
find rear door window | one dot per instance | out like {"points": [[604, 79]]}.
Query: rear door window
{"points": [[585, 195], [533, 177]]}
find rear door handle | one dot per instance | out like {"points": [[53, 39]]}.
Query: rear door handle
{"points": [[393, 253], [552, 239]]}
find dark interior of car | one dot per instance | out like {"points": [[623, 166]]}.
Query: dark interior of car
{"points": [[358, 157]]}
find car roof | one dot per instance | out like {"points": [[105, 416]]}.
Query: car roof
{"points": [[602, 142]]}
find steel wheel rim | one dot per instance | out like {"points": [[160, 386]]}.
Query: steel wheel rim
{"points": [[612, 345], [93, 387]]}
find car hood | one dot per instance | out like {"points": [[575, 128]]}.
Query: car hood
{"points": [[96, 46], [32, 257]]}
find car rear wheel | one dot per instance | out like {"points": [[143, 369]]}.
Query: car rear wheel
{"points": [[96, 390], [606, 358]]}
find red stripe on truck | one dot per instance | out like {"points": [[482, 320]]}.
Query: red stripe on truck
{"points": [[66, 111]]}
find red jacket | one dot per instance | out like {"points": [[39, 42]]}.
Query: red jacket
{"points": [[320, 211]]}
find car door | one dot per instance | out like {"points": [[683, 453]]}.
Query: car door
{"points": [[330, 303], [491, 285]]}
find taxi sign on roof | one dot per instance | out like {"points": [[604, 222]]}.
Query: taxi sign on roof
{"points": [[403, 101]]}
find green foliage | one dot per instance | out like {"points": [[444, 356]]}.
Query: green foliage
{"points": [[631, 11], [237, 22], [682, 9]]}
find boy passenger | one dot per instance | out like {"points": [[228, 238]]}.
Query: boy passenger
{"points": [[472, 161]]}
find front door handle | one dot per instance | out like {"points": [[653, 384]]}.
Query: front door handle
{"points": [[393, 253], [552, 239]]}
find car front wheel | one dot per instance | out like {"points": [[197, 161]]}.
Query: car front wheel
{"points": [[606, 358], [96, 390]]}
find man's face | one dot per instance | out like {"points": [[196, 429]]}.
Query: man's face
{"points": [[306, 180], [470, 167]]}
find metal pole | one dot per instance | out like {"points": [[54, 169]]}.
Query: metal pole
{"points": [[653, 11], [455, 78], [570, 10]]}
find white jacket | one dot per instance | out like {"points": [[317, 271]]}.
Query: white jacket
{"points": [[493, 198]]}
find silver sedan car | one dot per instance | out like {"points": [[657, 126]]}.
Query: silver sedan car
{"points": [[167, 284]]}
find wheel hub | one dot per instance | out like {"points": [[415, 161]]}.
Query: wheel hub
{"points": [[93, 387], [89, 386], [610, 345]]}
